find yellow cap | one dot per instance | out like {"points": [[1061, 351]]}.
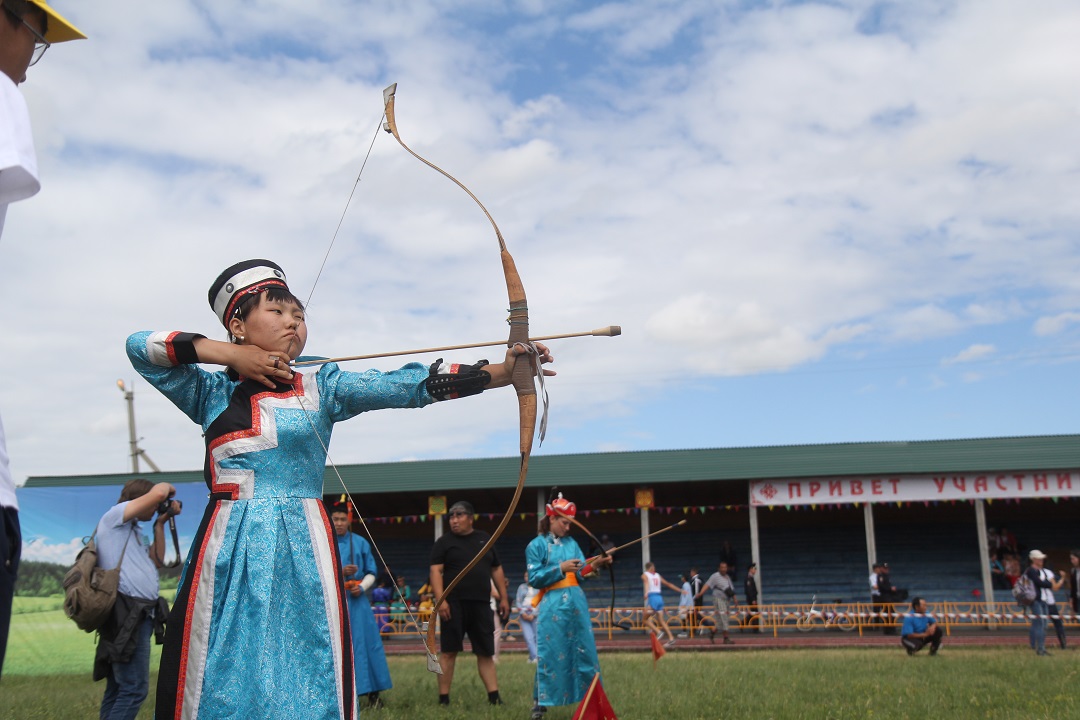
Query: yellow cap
{"points": [[59, 29]]}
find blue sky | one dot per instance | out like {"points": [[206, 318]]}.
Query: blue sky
{"points": [[816, 222]]}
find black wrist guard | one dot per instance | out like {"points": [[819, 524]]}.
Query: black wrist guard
{"points": [[447, 382]]}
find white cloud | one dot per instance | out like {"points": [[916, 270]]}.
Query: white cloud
{"points": [[1055, 324], [970, 354], [924, 322], [744, 338]]}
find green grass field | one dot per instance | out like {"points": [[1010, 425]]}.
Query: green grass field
{"points": [[877, 683]]}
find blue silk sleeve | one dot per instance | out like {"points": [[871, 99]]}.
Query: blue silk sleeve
{"points": [[159, 358], [347, 394]]}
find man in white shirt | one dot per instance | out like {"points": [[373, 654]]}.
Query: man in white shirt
{"points": [[875, 595], [1045, 607], [27, 28]]}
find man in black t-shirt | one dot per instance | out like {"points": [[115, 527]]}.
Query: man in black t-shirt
{"points": [[750, 588], [467, 611]]}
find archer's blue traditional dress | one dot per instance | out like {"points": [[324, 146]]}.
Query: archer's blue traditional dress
{"points": [[369, 657], [565, 647], [259, 628]]}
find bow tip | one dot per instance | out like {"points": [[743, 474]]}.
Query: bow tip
{"points": [[389, 93]]}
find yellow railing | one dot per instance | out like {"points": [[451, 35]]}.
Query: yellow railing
{"points": [[774, 619], [861, 617]]}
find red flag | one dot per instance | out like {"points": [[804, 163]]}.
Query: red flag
{"points": [[595, 705], [657, 649]]}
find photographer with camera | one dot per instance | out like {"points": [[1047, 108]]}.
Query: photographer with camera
{"points": [[123, 651]]}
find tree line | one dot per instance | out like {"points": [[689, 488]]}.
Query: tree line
{"points": [[40, 579]]}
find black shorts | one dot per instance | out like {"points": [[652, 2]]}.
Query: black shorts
{"points": [[474, 618]]}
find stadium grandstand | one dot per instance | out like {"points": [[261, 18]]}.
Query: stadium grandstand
{"points": [[813, 517]]}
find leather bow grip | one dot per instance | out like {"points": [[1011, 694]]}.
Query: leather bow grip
{"points": [[524, 364]]}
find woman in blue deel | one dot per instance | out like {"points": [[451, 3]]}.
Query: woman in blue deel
{"points": [[259, 629], [565, 648]]}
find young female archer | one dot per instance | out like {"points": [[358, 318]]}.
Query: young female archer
{"points": [[259, 628], [565, 648]]}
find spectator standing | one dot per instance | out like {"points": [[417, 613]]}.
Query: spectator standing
{"points": [[122, 658], [875, 596], [507, 636], [751, 593], [370, 670], [998, 581], [1074, 581], [467, 610], [723, 592], [888, 594], [686, 606], [920, 629], [24, 25], [496, 620], [696, 583], [527, 615], [1045, 584]]}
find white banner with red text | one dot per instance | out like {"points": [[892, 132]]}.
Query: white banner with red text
{"points": [[908, 488]]}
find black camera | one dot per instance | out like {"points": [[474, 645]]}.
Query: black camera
{"points": [[163, 508]]}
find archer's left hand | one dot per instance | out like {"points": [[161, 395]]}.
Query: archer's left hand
{"points": [[602, 560], [501, 374]]}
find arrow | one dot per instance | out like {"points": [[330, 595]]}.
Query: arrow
{"points": [[610, 331], [640, 539]]}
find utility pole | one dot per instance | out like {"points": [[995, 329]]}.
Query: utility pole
{"points": [[136, 451]]}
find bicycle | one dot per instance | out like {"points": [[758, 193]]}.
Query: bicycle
{"points": [[815, 618]]}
